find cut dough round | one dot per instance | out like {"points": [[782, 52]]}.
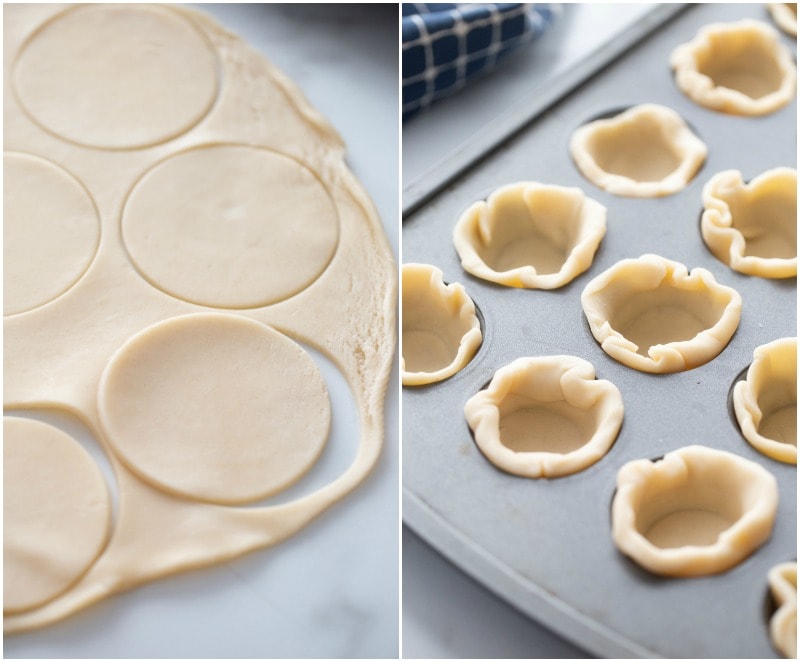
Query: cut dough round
{"points": [[647, 151], [753, 227], [230, 226], [441, 330], [738, 68], [697, 511], [56, 512], [141, 75], [651, 314], [215, 407], [765, 403], [49, 240], [530, 235], [545, 417], [782, 580]]}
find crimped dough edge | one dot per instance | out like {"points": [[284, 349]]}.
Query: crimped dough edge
{"points": [[561, 377], [784, 18], [476, 229], [702, 90], [668, 357], [686, 145], [779, 355], [782, 580], [732, 546], [462, 310], [717, 223]]}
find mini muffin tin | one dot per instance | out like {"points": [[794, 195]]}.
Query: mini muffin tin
{"points": [[545, 544]]}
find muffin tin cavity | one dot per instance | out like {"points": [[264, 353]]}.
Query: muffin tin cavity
{"points": [[142, 75], [651, 314], [739, 68], [765, 403], [697, 511], [49, 240], [782, 580], [545, 416], [230, 226], [441, 329], [646, 151], [56, 513], [785, 16], [196, 406], [752, 227], [530, 235]]}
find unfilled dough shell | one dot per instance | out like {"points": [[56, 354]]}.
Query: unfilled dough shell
{"points": [[739, 68], [782, 580], [647, 151], [752, 227], [697, 511]]}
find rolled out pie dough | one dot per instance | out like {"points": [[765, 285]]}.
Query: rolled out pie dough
{"points": [[200, 222]]}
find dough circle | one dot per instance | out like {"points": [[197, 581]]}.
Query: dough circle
{"points": [[56, 512], [230, 226], [117, 76], [49, 240], [215, 407]]}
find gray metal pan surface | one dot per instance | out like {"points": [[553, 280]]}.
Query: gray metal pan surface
{"points": [[545, 545]]}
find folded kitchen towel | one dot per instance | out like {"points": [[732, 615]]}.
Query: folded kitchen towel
{"points": [[446, 45]]}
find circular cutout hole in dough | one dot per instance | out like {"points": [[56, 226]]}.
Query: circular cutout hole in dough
{"points": [[530, 235], [782, 581], [230, 226], [738, 68], [697, 511], [785, 16], [651, 314], [48, 240], [56, 513], [215, 407], [765, 403], [752, 227], [441, 329], [116, 76], [646, 151], [545, 417]]}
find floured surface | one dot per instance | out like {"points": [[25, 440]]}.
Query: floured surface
{"points": [[56, 354]]}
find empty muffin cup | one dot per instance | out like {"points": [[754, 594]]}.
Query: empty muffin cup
{"points": [[645, 152], [738, 68], [782, 580], [765, 403], [530, 235], [752, 227], [545, 417], [651, 314], [697, 511], [441, 330]]}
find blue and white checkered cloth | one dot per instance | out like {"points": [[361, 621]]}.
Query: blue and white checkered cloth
{"points": [[445, 45]]}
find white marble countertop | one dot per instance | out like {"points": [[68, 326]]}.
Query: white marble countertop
{"points": [[331, 590]]}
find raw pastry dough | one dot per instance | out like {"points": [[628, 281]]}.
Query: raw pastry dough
{"points": [[647, 151], [57, 232], [545, 417], [766, 402], [653, 315], [738, 68], [238, 165], [56, 513], [530, 235], [753, 227], [697, 511], [785, 15], [441, 331], [783, 625]]}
